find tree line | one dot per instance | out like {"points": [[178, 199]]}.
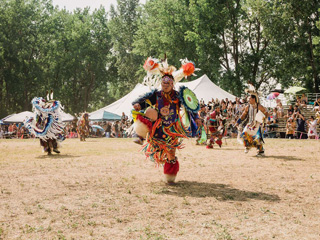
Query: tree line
{"points": [[92, 57]]}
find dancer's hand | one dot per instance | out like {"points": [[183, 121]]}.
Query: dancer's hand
{"points": [[137, 107], [199, 122]]}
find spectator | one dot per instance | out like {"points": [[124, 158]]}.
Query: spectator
{"points": [[290, 112], [290, 126], [217, 103], [304, 101], [108, 130], [317, 104], [274, 116], [115, 129], [280, 110], [210, 106], [318, 116], [1, 132], [123, 117], [301, 128], [296, 110], [223, 107], [312, 124], [298, 101]]}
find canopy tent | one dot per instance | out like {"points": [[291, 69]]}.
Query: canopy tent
{"points": [[294, 90], [20, 117], [67, 117], [202, 87], [124, 103], [103, 115]]}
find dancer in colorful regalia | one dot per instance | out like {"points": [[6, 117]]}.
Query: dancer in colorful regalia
{"points": [[256, 113], [202, 131], [169, 115], [216, 128], [47, 124], [83, 126]]}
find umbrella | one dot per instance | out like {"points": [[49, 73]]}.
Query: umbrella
{"points": [[104, 115], [97, 127], [277, 90], [273, 95], [294, 90]]}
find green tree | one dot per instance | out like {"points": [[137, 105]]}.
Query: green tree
{"points": [[78, 58], [291, 26], [123, 27], [230, 42], [20, 43], [163, 29]]}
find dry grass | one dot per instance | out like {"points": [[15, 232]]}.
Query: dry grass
{"points": [[105, 189]]}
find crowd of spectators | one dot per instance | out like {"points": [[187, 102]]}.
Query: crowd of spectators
{"points": [[109, 129], [296, 124], [14, 131]]}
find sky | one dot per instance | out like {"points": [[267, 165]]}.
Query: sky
{"points": [[73, 4]]}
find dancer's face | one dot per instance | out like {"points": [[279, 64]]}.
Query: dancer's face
{"points": [[167, 84], [252, 100]]}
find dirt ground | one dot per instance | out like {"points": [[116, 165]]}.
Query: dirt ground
{"points": [[105, 189]]}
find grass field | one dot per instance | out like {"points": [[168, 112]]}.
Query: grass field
{"points": [[105, 189]]}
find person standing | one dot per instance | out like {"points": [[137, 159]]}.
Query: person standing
{"points": [[301, 132], [252, 134], [312, 124]]}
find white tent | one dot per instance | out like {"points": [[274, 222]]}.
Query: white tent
{"points": [[67, 117], [202, 87], [19, 117], [124, 103], [205, 89]]}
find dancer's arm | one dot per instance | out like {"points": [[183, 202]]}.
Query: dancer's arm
{"points": [[141, 102], [263, 110], [243, 116]]}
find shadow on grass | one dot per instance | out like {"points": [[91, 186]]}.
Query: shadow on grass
{"points": [[56, 156], [221, 192], [285, 158]]}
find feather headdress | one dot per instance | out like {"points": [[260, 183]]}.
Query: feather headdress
{"points": [[252, 91], [156, 69]]}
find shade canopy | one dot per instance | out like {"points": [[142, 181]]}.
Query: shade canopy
{"points": [[203, 87], [19, 117], [294, 90], [104, 116], [67, 117]]}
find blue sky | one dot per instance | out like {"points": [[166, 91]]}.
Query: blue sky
{"points": [[73, 4]]}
